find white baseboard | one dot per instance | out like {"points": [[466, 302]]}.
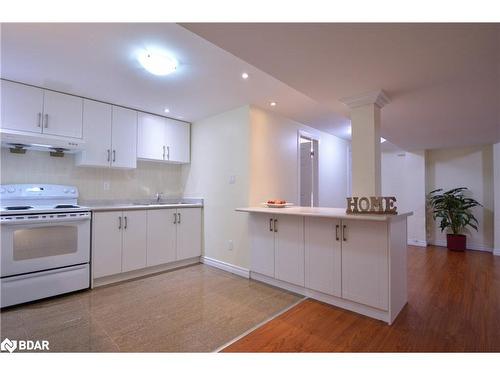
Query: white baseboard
{"points": [[237, 270], [415, 242], [470, 246], [496, 252]]}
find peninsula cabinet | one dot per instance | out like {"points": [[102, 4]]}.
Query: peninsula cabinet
{"points": [[163, 139], [110, 134], [31, 109]]}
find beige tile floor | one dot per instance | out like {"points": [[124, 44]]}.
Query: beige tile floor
{"points": [[193, 309]]}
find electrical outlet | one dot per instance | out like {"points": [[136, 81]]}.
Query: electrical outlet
{"points": [[230, 245], [232, 180], [106, 185]]}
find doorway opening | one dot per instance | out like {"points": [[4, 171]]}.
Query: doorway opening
{"points": [[308, 170]]}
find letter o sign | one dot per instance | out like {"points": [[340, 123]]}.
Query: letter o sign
{"points": [[364, 204]]}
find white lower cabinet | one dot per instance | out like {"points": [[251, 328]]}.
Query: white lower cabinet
{"points": [[365, 263], [124, 241], [323, 255], [262, 234]]}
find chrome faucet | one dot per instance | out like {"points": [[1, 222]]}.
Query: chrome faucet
{"points": [[158, 196]]}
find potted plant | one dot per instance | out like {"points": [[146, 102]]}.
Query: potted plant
{"points": [[454, 210]]}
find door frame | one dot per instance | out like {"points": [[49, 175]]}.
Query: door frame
{"points": [[305, 134]]}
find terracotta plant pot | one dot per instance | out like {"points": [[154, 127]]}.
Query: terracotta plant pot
{"points": [[456, 242]]}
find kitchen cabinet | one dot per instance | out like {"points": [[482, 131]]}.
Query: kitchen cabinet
{"points": [[22, 107], [118, 242], [110, 134], [278, 247], [365, 269], [188, 233], [322, 238], [31, 109], [134, 232], [163, 139], [162, 236]]}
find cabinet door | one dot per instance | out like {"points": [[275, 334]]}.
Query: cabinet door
{"points": [[151, 137], [97, 134], [106, 244], [124, 138], [177, 141], [62, 114], [188, 233], [323, 255], [365, 270], [262, 245], [134, 240], [161, 236], [22, 107], [289, 249]]}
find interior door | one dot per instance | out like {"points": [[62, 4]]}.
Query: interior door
{"points": [[97, 134], [134, 240], [124, 138], [188, 233], [289, 249], [161, 242], [62, 114], [262, 236], [150, 136], [322, 238], [365, 268], [22, 107], [177, 139], [106, 243]]}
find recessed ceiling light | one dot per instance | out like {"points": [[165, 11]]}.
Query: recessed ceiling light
{"points": [[244, 75], [157, 63], [166, 110], [273, 104]]}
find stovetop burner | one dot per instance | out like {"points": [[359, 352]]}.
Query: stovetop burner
{"points": [[16, 208], [66, 206]]}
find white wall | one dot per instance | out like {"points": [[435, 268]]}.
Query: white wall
{"points": [[219, 150], [143, 182], [496, 184], [471, 167], [275, 157], [403, 176]]}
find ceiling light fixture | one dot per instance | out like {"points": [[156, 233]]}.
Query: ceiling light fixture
{"points": [[273, 104], [166, 110], [157, 63], [244, 76]]}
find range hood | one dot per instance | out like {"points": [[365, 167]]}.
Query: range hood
{"points": [[21, 141]]}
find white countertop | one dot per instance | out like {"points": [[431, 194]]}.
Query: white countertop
{"points": [[126, 205], [330, 212]]}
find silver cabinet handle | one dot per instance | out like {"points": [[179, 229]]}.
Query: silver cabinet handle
{"points": [[276, 225], [46, 120], [39, 119], [163, 152], [109, 154], [119, 222], [271, 225], [168, 152], [344, 238], [337, 232], [175, 218], [114, 156], [126, 222], [179, 218]]}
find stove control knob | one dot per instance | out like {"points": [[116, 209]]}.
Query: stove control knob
{"points": [[11, 190], [66, 191], [73, 191], [2, 191]]}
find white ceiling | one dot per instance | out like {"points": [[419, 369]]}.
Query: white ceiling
{"points": [[99, 61], [443, 79]]}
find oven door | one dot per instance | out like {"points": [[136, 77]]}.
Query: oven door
{"points": [[33, 243]]}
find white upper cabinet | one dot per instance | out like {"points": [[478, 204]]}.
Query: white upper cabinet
{"points": [[62, 114], [110, 135], [97, 134], [124, 138], [22, 107], [163, 139]]}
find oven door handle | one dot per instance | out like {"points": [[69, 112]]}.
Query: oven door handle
{"points": [[53, 220]]}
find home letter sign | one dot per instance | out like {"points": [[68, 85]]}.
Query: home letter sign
{"points": [[371, 205]]}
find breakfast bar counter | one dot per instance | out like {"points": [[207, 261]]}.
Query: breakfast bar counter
{"points": [[353, 261]]}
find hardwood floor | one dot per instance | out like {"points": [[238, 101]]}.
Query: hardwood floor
{"points": [[453, 305]]}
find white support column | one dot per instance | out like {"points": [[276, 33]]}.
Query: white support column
{"points": [[496, 197], [366, 157]]}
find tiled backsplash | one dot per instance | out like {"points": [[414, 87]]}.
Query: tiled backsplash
{"points": [[143, 182]]}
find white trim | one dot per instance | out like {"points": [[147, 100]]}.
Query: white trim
{"points": [[237, 270], [415, 242], [220, 348], [378, 97], [496, 252], [470, 246], [143, 272]]}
